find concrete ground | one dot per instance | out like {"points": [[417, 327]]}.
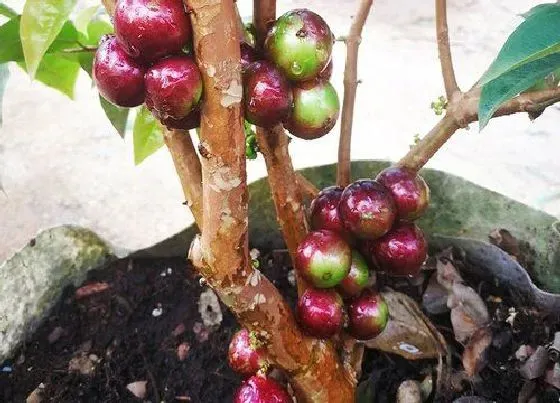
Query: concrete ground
{"points": [[62, 162]]}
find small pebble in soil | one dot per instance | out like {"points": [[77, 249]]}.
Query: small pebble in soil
{"points": [[157, 311]]}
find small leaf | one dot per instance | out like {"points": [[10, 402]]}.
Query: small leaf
{"points": [[535, 38], [84, 17], [116, 115], [4, 75], [508, 85], [148, 136], [7, 11], [96, 29], [41, 22], [58, 73]]}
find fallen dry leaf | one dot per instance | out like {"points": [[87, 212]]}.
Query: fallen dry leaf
{"points": [[91, 289], [519, 250], [536, 364], [407, 333], [475, 353], [553, 376], [138, 389], [37, 396], [447, 273], [468, 311], [434, 299]]}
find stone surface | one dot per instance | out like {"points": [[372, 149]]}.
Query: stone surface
{"points": [[61, 161], [33, 279]]}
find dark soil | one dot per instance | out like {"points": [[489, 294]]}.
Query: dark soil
{"points": [[118, 336]]}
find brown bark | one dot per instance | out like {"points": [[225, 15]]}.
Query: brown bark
{"points": [[444, 50], [350, 86], [307, 188], [188, 169]]}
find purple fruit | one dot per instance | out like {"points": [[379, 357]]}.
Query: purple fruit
{"points": [[259, 389], [409, 190], [367, 315], [248, 56], [245, 355], [324, 212], [320, 312], [367, 209], [358, 277], [315, 111], [326, 73], [402, 251], [173, 87], [268, 96], [119, 79], [191, 121], [324, 258], [151, 29], [300, 44]]}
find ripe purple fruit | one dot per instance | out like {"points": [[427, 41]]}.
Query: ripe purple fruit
{"points": [[402, 251], [173, 87], [191, 121], [320, 312], [259, 389], [367, 209], [268, 96], [324, 258], [119, 79], [324, 212], [245, 355], [326, 73], [248, 56], [409, 190], [367, 315], [150, 30], [300, 44], [358, 277], [315, 111]]}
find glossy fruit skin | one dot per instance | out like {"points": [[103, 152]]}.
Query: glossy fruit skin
{"points": [[358, 277], [409, 190], [248, 55], [243, 356], [119, 79], [149, 30], [259, 389], [267, 94], [173, 87], [326, 73], [323, 213], [368, 315], [315, 111], [367, 209], [402, 251], [324, 258], [320, 312], [300, 43]]}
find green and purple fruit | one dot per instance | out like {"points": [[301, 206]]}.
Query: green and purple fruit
{"points": [[367, 315], [358, 277], [315, 111], [324, 258], [300, 43], [320, 312]]}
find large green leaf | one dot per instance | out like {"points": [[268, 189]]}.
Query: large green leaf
{"points": [[7, 11], [58, 73], [509, 84], [535, 38], [4, 75], [116, 115], [84, 17], [148, 136], [41, 22]]}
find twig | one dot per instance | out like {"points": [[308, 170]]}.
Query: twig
{"points": [[187, 165], [465, 111], [264, 12], [350, 86], [307, 188], [444, 50]]}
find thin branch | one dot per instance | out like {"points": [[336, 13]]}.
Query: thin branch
{"points": [[264, 13], [187, 165], [465, 111], [444, 50], [110, 6], [350, 86], [307, 188]]}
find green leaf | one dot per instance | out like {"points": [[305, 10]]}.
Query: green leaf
{"points": [[116, 115], [7, 11], [4, 75], [97, 29], [148, 135], [535, 38], [41, 22], [84, 17], [508, 85], [58, 73]]}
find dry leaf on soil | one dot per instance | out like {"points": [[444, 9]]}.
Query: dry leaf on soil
{"points": [[475, 353]]}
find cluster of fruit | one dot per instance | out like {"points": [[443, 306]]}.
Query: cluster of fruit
{"points": [[146, 62], [290, 84], [374, 217]]}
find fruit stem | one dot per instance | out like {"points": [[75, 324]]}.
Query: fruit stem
{"points": [[444, 50], [350, 86], [308, 189]]}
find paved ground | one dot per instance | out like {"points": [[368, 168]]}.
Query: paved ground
{"points": [[61, 162]]}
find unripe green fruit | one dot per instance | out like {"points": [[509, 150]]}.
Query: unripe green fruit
{"points": [[300, 44]]}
